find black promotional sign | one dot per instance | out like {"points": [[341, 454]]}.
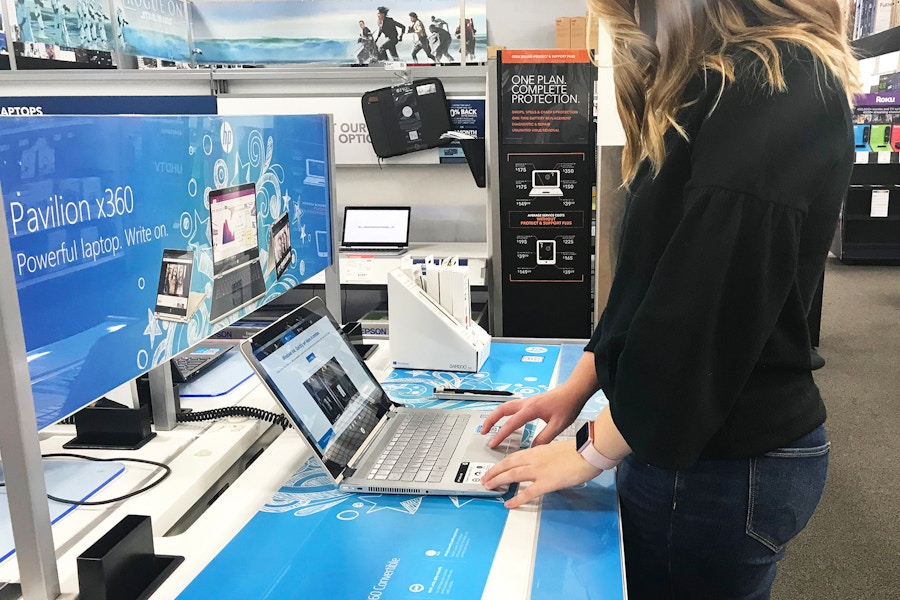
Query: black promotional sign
{"points": [[546, 154]]}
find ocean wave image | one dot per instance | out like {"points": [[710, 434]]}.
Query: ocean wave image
{"points": [[274, 51], [156, 44], [293, 51]]}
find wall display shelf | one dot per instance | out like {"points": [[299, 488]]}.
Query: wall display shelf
{"points": [[877, 44], [323, 81], [869, 228]]}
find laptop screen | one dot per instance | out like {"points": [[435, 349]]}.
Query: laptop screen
{"points": [[320, 382], [174, 282], [386, 226], [541, 178], [233, 228], [280, 244], [315, 168]]}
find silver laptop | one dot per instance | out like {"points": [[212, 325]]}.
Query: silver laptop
{"points": [[367, 442], [376, 229], [545, 182], [237, 275]]}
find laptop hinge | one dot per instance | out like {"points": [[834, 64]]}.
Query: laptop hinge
{"points": [[350, 469]]}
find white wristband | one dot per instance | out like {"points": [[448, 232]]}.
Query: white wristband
{"points": [[584, 442], [597, 459]]}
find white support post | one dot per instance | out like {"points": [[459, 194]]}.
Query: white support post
{"points": [[333, 271], [19, 444], [462, 32]]}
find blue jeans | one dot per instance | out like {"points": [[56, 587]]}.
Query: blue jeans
{"points": [[717, 529]]}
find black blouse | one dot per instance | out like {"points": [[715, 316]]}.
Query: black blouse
{"points": [[703, 349]]}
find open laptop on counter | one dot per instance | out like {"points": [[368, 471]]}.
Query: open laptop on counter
{"points": [[367, 442], [376, 229]]}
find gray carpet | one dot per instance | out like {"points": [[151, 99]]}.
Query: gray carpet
{"points": [[851, 548]]}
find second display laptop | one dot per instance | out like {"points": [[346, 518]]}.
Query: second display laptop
{"points": [[237, 275]]}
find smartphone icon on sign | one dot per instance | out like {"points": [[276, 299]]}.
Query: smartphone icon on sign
{"points": [[546, 252]]}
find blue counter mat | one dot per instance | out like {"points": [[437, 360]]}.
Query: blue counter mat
{"points": [[222, 377], [578, 551], [312, 540], [588, 513], [64, 479], [525, 369]]}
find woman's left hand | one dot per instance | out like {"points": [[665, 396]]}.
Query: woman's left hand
{"points": [[549, 467]]}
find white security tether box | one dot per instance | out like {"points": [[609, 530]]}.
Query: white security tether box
{"points": [[425, 335]]}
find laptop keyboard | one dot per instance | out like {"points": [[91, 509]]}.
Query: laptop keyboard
{"points": [[421, 448], [236, 288]]}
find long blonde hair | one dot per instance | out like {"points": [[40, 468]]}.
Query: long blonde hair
{"points": [[650, 72]]}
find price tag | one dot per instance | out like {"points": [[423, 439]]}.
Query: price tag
{"points": [[880, 203], [357, 268]]}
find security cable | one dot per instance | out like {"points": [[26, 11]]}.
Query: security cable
{"points": [[166, 472]]}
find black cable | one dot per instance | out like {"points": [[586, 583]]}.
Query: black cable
{"points": [[234, 411], [167, 471], [184, 417]]}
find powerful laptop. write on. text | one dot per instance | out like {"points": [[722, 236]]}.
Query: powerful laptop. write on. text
{"points": [[367, 442], [376, 229], [237, 275]]}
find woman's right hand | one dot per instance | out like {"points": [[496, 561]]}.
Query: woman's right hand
{"points": [[558, 408]]}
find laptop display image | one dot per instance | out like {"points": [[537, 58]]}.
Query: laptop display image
{"points": [[279, 258], [322, 243], [174, 299], [315, 172], [545, 182], [367, 442], [237, 274], [382, 229]]}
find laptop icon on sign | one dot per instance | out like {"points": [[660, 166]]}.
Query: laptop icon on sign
{"points": [[315, 172], [237, 275], [545, 183]]}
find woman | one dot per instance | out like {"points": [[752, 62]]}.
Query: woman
{"points": [[738, 150]]}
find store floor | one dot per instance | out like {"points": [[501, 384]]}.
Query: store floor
{"points": [[851, 547]]}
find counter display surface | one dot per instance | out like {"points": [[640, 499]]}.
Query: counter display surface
{"points": [[463, 546]]}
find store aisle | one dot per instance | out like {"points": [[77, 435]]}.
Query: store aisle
{"points": [[850, 548]]}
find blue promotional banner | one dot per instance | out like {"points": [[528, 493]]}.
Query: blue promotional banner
{"points": [[134, 238], [154, 28], [26, 106], [336, 31], [525, 369]]}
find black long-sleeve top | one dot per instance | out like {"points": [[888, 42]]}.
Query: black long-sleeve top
{"points": [[703, 349]]}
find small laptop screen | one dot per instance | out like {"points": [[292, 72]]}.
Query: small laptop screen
{"points": [[280, 244], [233, 225], [315, 168], [376, 226], [545, 178], [321, 382], [174, 282]]}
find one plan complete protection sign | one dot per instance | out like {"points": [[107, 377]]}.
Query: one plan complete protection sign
{"points": [[546, 184]]}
